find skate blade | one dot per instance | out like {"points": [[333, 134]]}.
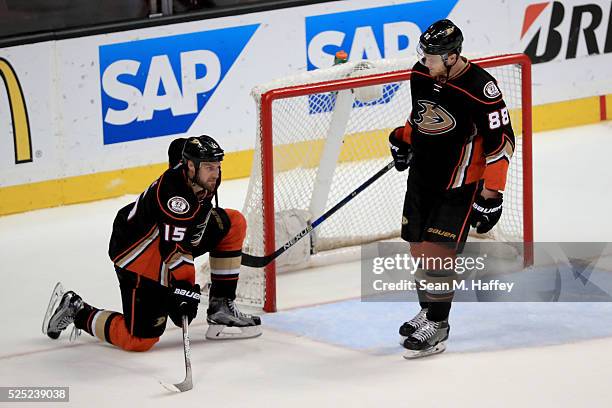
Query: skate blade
{"points": [[221, 332], [414, 354], [56, 297]]}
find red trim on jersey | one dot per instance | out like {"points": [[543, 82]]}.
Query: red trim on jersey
{"points": [[473, 97], [465, 69]]}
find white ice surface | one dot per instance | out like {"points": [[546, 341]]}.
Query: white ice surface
{"points": [[572, 195]]}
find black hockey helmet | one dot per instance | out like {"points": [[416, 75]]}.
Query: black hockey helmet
{"points": [[202, 149], [175, 151], [441, 38]]}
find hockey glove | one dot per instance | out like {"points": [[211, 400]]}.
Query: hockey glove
{"points": [[486, 213], [401, 152], [184, 300]]}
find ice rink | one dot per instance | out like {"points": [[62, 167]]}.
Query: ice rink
{"points": [[325, 347]]}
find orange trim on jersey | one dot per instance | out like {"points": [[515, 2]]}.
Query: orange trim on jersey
{"points": [[147, 235], [495, 175], [146, 263], [184, 272], [454, 175], [404, 133], [163, 209], [407, 132], [461, 90], [477, 164], [234, 238]]}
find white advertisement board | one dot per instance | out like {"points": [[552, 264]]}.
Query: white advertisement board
{"points": [[114, 101]]}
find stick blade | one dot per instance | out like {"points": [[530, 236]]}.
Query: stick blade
{"points": [[180, 387]]}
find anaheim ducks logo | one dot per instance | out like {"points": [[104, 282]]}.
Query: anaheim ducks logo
{"points": [[433, 119]]}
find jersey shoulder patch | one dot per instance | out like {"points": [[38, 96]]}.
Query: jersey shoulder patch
{"points": [[174, 195], [491, 90], [178, 205]]}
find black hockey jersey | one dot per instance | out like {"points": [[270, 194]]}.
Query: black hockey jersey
{"points": [[460, 130], [154, 235]]}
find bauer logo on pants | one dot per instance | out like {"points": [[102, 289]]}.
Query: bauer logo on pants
{"points": [[158, 87]]}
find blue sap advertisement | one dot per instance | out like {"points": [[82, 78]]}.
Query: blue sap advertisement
{"points": [[373, 33], [157, 87]]}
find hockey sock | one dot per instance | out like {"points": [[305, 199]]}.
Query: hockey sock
{"points": [[422, 298], [94, 321], [438, 311], [223, 286], [83, 315], [224, 272]]}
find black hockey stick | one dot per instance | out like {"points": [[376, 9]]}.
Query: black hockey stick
{"points": [[261, 261], [187, 383]]}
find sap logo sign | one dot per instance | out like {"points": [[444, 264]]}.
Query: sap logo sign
{"points": [[181, 100], [381, 32], [158, 87]]}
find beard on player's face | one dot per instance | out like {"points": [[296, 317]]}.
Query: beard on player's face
{"points": [[208, 175]]}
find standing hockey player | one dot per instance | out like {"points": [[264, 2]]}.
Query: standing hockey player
{"points": [[458, 142], [153, 244]]}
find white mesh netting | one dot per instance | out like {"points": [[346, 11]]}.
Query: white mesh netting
{"points": [[327, 144]]}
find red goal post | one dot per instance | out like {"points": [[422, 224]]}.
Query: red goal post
{"points": [[269, 124]]}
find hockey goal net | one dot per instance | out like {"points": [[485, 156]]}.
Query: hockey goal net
{"points": [[321, 134]]}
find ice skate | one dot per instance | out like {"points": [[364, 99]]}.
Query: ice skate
{"points": [[225, 321], [61, 311], [427, 340], [412, 325]]}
